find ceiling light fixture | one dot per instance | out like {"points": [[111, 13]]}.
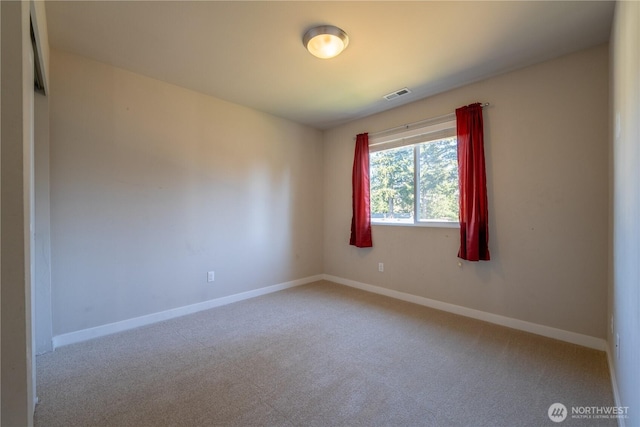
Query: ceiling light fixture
{"points": [[325, 41]]}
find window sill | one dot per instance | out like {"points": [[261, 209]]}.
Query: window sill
{"points": [[432, 224]]}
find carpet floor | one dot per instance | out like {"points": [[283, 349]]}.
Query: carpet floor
{"points": [[320, 355]]}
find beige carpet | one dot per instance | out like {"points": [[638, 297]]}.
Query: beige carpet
{"points": [[319, 355]]}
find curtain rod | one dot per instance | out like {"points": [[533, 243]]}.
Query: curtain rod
{"points": [[408, 125]]}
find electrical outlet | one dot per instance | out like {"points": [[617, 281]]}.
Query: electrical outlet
{"points": [[211, 276], [380, 267]]}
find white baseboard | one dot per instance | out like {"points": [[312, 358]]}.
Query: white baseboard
{"points": [[534, 328], [124, 325], [111, 328], [614, 385]]}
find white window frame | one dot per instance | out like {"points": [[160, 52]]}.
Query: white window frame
{"points": [[426, 131]]}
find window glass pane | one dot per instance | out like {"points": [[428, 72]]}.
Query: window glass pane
{"points": [[392, 185], [438, 180]]}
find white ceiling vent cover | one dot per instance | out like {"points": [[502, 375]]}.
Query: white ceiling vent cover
{"points": [[396, 94]]}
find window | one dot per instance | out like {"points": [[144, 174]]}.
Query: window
{"points": [[414, 177]]}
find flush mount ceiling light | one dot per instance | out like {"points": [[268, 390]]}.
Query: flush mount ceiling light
{"points": [[325, 41]]}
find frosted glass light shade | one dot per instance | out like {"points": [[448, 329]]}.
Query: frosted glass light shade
{"points": [[325, 41]]}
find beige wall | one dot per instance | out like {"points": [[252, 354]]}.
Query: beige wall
{"points": [[626, 205], [547, 170], [42, 250], [16, 254], [153, 185]]}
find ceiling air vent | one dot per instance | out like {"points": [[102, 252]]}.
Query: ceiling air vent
{"points": [[396, 94]]}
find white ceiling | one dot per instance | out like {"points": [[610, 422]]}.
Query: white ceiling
{"points": [[251, 53]]}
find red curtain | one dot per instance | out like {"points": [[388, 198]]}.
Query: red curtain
{"points": [[361, 219], [474, 216]]}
